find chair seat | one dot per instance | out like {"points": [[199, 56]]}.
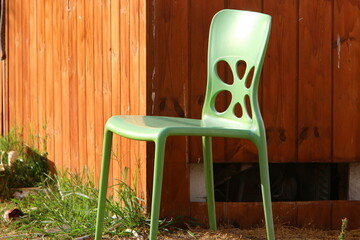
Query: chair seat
{"points": [[151, 127]]}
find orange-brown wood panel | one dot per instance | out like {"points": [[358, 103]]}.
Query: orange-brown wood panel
{"points": [[60, 83], [64, 76], [89, 87], [285, 213], [200, 16], [33, 71], [198, 211], [72, 118], [345, 209], [116, 79], [243, 150], [279, 83], [315, 81], [170, 86], [81, 77], [141, 184], [125, 83], [98, 85], [25, 61], [106, 33], [49, 91], [11, 61], [244, 215], [17, 62], [346, 94], [134, 84], [315, 214], [41, 66], [255, 5]]}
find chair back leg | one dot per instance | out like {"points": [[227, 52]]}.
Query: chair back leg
{"points": [[103, 183], [209, 181], [265, 189], [157, 185]]}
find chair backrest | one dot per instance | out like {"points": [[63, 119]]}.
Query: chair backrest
{"points": [[240, 39]]}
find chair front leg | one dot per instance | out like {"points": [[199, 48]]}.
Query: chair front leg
{"points": [[103, 183], [157, 186], [265, 189], [209, 180]]}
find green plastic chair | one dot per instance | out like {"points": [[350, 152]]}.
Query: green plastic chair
{"points": [[235, 37]]}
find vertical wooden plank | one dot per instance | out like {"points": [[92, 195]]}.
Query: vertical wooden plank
{"points": [[41, 66], [49, 92], [89, 66], [72, 119], [98, 85], [106, 47], [240, 149], [345, 209], [280, 81], [115, 77], [11, 62], [134, 92], [17, 62], [255, 5], [65, 9], [141, 187], [33, 69], [81, 74], [346, 94], [171, 98], [315, 81], [315, 214], [124, 82], [24, 81], [201, 14], [58, 82]]}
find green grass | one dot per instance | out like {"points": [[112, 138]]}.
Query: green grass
{"points": [[67, 207]]}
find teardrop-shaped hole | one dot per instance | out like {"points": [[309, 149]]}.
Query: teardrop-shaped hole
{"points": [[222, 101], [249, 77], [224, 72], [248, 106], [238, 110], [241, 68]]}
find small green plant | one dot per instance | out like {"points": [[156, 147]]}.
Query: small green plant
{"points": [[344, 223], [21, 165]]}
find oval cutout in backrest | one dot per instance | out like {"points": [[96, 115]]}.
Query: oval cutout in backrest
{"points": [[241, 68], [249, 77], [248, 106], [224, 72], [238, 112], [222, 101]]}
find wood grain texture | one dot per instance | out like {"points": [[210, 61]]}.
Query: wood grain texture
{"points": [[315, 81], [60, 83], [98, 85], [240, 150], [81, 78], [200, 16], [170, 85], [279, 81], [89, 86], [346, 94], [49, 83]]}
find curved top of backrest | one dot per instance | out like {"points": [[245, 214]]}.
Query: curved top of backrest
{"points": [[236, 38]]}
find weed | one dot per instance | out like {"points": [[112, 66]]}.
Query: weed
{"points": [[344, 223]]}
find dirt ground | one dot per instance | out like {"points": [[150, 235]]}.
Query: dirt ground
{"points": [[282, 233]]}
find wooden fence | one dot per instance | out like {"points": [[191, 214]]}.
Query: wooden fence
{"points": [[71, 64]]}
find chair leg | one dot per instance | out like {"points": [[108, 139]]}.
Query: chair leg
{"points": [[209, 181], [103, 183], [265, 189], [157, 185]]}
